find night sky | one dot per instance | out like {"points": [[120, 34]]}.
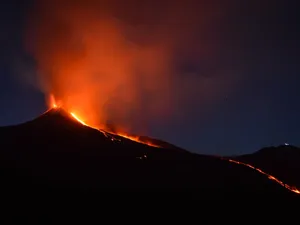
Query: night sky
{"points": [[248, 73]]}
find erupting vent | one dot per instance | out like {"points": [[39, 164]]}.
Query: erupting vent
{"points": [[111, 135]]}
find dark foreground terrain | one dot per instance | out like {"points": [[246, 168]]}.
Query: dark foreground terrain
{"points": [[54, 169]]}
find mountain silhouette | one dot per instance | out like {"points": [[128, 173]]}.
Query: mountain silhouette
{"points": [[54, 156]]}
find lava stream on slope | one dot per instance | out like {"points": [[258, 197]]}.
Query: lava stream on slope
{"points": [[271, 177], [112, 135]]}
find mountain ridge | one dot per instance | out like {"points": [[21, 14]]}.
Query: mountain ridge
{"points": [[55, 156]]}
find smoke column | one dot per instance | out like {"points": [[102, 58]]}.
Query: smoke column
{"points": [[116, 62]]}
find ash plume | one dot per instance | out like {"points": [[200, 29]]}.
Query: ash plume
{"points": [[117, 61]]}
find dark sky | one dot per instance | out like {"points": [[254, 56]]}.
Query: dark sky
{"points": [[250, 95]]}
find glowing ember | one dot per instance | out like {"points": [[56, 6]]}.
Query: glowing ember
{"points": [[290, 188]]}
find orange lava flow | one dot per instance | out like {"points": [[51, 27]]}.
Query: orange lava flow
{"points": [[290, 188], [136, 139], [54, 104], [132, 138], [79, 120]]}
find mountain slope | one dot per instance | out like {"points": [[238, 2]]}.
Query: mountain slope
{"points": [[54, 156], [58, 147]]}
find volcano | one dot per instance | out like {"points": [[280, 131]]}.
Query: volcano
{"points": [[56, 153]]}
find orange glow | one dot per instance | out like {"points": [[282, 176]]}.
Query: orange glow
{"points": [[88, 61], [271, 177], [53, 105], [52, 102]]}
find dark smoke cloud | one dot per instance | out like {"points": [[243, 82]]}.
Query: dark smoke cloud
{"points": [[126, 62]]}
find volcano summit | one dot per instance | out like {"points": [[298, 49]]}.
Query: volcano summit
{"points": [[55, 154]]}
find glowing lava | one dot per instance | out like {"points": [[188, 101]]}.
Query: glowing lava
{"points": [[54, 105], [79, 120], [271, 177], [107, 134], [137, 139]]}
